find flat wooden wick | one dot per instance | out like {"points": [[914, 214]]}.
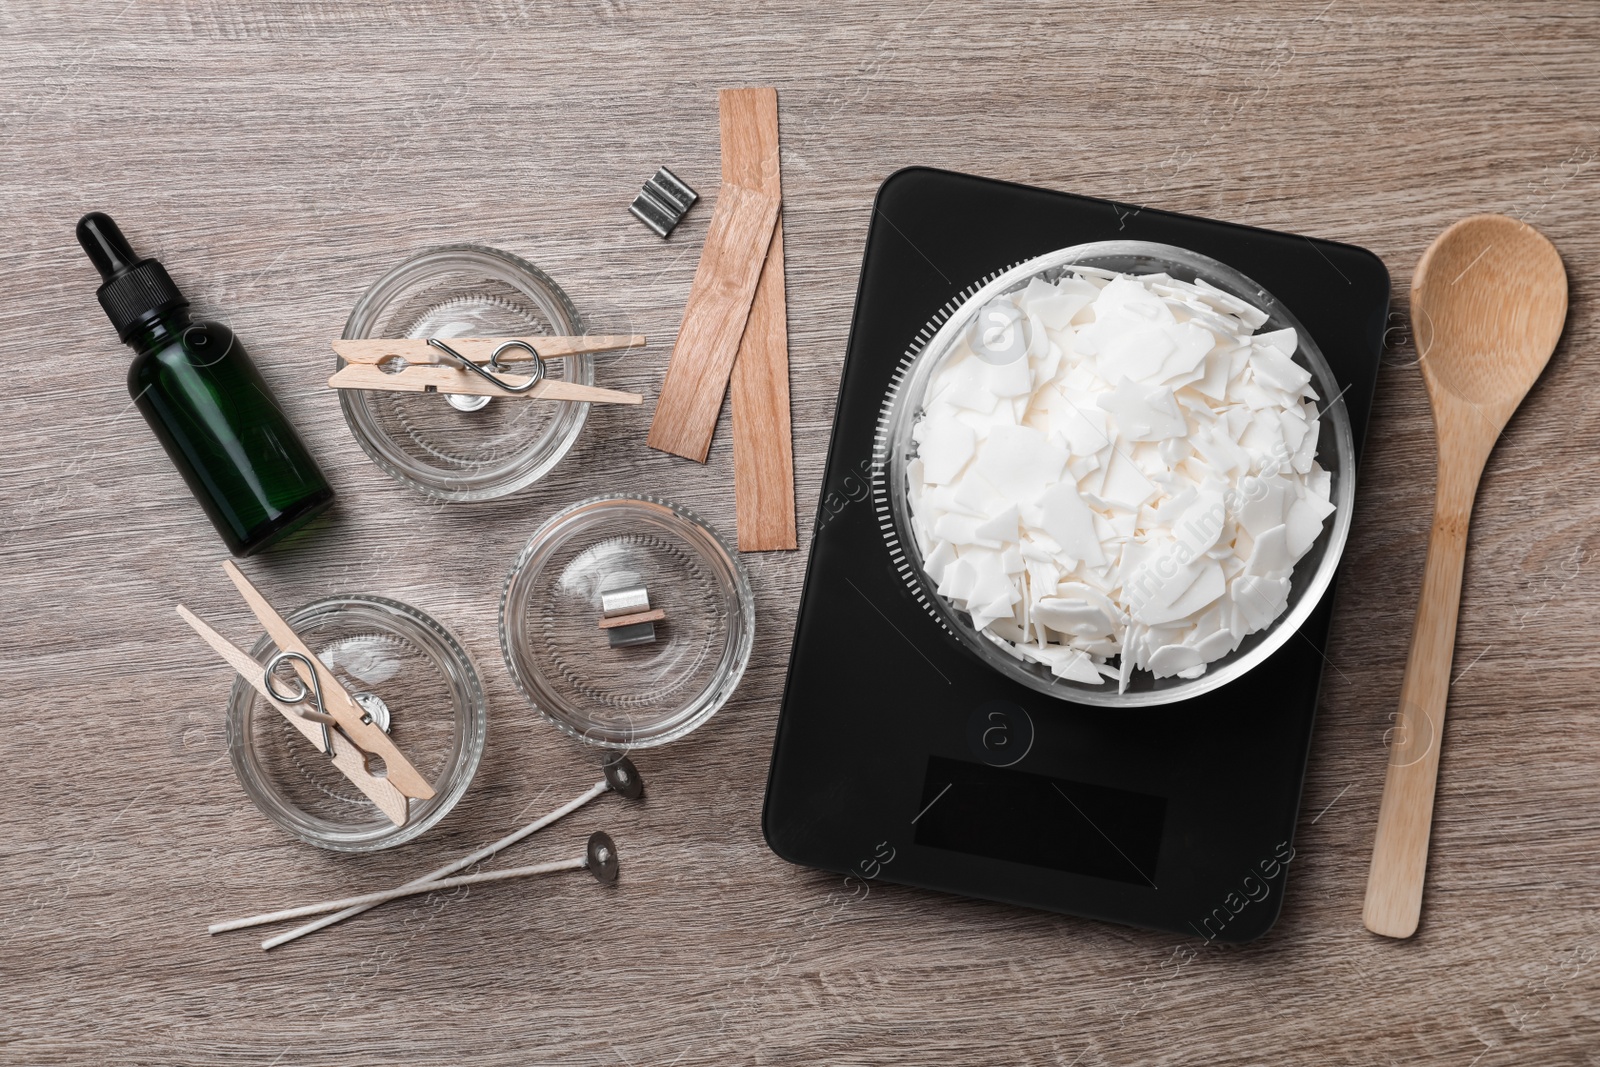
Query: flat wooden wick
{"points": [[417, 350], [763, 445], [653, 615], [713, 322]]}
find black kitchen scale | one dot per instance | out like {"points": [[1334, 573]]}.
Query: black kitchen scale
{"points": [[900, 756]]}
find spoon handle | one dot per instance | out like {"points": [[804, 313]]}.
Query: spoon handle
{"points": [[1405, 817]]}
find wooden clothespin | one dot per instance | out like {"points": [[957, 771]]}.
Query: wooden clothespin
{"points": [[471, 366], [337, 725]]}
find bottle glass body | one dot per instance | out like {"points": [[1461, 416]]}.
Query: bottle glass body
{"points": [[206, 401]]}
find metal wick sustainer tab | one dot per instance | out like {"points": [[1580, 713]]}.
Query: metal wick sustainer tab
{"points": [[627, 617]]}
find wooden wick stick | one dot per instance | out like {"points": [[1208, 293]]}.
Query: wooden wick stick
{"points": [[432, 877], [614, 621], [763, 446], [714, 320], [373, 899]]}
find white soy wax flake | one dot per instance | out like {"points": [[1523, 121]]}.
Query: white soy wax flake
{"points": [[1118, 467], [944, 446]]}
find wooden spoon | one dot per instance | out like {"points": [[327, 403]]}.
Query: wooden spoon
{"points": [[1488, 300]]}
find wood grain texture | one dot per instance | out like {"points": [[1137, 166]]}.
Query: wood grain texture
{"points": [[714, 319], [335, 700], [653, 615], [351, 761], [1488, 302], [445, 379], [763, 445], [281, 157], [477, 349]]}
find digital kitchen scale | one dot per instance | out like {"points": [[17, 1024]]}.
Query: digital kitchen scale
{"points": [[902, 757]]}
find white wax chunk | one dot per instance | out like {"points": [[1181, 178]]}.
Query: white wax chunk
{"points": [[1168, 511], [1277, 369], [1072, 616], [1285, 340], [1319, 504], [1048, 363], [1003, 527], [1057, 304], [1070, 523], [1202, 523], [947, 445], [1127, 347], [1170, 659], [1306, 454], [960, 530], [1265, 505], [1126, 485], [1260, 599], [1011, 379], [1269, 556], [1020, 462], [1043, 575], [1083, 426], [1191, 342], [1249, 313], [1293, 427], [1304, 523], [1264, 435], [1214, 382], [942, 556], [1075, 666], [958, 580], [968, 387], [1218, 644], [1220, 451], [1206, 588], [1142, 413], [992, 590], [975, 496]]}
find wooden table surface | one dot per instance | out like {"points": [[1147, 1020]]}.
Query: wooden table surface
{"points": [[279, 157]]}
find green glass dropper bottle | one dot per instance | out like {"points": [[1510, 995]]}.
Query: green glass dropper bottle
{"points": [[205, 400]]}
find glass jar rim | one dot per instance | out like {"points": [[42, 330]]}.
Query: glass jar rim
{"points": [[733, 582], [522, 469]]}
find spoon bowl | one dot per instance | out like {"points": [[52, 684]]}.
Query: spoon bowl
{"points": [[1488, 301]]}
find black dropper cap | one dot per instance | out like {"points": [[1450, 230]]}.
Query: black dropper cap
{"points": [[134, 288]]}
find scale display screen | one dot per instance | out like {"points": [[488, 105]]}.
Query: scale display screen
{"points": [[1068, 826]]}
